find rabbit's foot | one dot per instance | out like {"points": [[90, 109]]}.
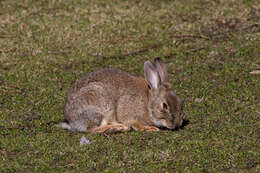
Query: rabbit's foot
{"points": [[141, 127], [150, 129], [113, 128]]}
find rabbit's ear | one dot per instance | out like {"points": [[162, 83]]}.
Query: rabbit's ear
{"points": [[151, 75], [161, 69]]}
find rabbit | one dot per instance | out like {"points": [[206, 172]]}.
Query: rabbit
{"points": [[112, 100]]}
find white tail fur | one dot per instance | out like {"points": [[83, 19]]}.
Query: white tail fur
{"points": [[65, 125]]}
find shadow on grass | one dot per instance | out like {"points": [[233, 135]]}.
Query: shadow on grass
{"points": [[184, 123]]}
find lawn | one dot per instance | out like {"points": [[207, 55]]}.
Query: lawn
{"points": [[210, 46]]}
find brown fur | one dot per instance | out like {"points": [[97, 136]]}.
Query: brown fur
{"points": [[111, 100]]}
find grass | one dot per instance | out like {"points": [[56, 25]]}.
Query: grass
{"points": [[210, 46]]}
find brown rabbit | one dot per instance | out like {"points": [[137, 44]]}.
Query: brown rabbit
{"points": [[111, 100]]}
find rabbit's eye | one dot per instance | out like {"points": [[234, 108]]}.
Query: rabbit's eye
{"points": [[149, 87], [165, 106]]}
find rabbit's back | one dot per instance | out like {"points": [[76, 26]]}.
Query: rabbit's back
{"points": [[114, 80]]}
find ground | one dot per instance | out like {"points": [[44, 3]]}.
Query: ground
{"points": [[210, 46]]}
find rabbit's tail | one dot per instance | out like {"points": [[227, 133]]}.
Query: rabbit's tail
{"points": [[65, 125]]}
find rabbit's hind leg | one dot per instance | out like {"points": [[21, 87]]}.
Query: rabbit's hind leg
{"points": [[112, 128], [88, 119]]}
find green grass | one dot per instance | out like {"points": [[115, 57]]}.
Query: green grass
{"points": [[210, 46]]}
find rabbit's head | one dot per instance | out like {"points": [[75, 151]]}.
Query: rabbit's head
{"points": [[165, 107]]}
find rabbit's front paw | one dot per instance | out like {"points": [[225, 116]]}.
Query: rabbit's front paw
{"points": [[141, 127], [150, 129]]}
